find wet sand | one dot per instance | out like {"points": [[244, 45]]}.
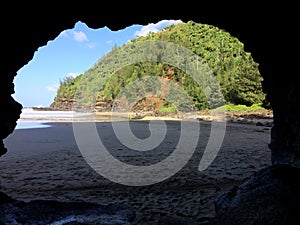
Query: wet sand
{"points": [[46, 163]]}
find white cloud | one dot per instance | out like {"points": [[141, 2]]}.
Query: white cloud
{"points": [[146, 30], [109, 42], [53, 87], [72, 75], [91, 45], [79, 36], [39, 106], [155, 27]]}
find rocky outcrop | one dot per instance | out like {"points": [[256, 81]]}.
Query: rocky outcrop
{"points": [[271, 196], [66, 104], [62, 213], [8, 118], [63, 104]]}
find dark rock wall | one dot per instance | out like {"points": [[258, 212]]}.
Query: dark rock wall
{"points": [[271, 196], [268, 32]]}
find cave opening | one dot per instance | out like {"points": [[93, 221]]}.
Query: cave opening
{"points": [[75, 180]]}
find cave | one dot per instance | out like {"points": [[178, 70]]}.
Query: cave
{"points": [[269, 34]]}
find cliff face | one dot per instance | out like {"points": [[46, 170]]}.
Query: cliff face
{"points": [[148, 105], [66, 104], [63, 104]]}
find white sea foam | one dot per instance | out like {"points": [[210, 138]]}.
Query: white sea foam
{"points": [[32, 118], [29, 113]]}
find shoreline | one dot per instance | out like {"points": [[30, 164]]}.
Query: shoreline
{"points": [[259, 117]]}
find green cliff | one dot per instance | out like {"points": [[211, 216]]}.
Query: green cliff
{"points": [[234, 69]]}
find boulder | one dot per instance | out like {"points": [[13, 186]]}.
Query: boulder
{"points": [[271, 196]]}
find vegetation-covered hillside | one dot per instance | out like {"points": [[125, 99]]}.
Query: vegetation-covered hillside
{"points": [[235, 71]]}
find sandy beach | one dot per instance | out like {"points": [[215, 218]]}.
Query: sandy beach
{"points": [[46, 163]]}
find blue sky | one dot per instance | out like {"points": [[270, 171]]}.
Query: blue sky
{"points": [[70, 54]]}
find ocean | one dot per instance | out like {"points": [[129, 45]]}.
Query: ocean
{"points": [[33, 118]]}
